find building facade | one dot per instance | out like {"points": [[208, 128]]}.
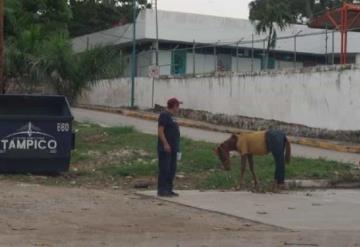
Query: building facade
{"points": [[192, 44]]}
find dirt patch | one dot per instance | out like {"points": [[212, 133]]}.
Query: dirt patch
{"points": [[96, 138], [97, 159], [34, 215]]}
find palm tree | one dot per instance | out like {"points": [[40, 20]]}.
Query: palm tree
{"points": [[69, 74], [32, 60], [267, 15], [35, 56]]}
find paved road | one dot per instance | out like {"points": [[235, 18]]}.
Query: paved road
{"points": [[145, 126]]}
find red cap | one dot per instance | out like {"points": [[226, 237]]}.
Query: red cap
{"points": [[173, 102]]}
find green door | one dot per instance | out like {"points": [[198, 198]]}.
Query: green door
{"points": [[178, 63], [270, 65]]}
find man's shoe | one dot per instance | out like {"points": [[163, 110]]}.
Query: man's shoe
{"points": [[173, 194], [164, 194]]}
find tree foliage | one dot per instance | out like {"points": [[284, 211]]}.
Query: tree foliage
{"points": [[95, 15], [70, 73], [50, 15], [270, 15], [39, 50], [267, 16], [303, 10]]}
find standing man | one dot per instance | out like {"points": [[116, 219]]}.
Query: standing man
{"points": [[168, 148]]}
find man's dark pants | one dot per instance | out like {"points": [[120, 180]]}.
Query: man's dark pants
{"points": [[276, 143], [167, 170]]}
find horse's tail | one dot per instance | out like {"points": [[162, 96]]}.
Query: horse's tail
{"points": [[287, 151]]}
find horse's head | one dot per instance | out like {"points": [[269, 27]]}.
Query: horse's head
{"points": [[224, 156], [223, 151]]}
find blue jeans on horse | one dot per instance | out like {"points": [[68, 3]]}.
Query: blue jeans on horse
{"points": [[167, 171], [275, 141]]}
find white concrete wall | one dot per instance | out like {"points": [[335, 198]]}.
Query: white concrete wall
{"points": [[117, 93], [318, 97]]}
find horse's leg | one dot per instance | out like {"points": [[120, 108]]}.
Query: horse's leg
{"points": [[242, 171], [252, 170]]}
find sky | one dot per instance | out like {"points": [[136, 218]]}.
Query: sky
{"points": [[227, 8]]}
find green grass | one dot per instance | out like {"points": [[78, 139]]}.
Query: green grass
{"points": [[106, 156], [298, 169]]}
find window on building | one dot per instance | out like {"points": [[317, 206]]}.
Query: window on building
{"points": [[178, 63]]}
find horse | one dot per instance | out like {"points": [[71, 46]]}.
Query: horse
{"points": [[257, 143]]}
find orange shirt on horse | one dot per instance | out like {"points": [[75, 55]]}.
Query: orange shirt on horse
{"points": [[252, 143]]}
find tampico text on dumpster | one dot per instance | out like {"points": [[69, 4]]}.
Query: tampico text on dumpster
{"points": [[28, 137]]}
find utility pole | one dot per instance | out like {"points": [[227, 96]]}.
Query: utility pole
{"points": [[333, 48], [156, 51], [194, 58], [215, 59], [295, 53], [295, 48], [2, 47], [133, 56], [326, 46], [252, 53], [237, 57], [237, 54], [157, 34]]}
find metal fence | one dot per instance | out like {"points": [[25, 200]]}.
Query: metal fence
{"points": [[320, 47]]}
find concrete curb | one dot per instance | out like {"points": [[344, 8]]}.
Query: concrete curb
{"points": [[316, 143], [305, 184], [321, 184]]}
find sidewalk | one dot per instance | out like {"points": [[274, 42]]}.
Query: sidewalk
{"points": [[310, 142], [303, 210]]}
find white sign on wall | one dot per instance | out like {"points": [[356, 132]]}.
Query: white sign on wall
{"points": [[154, 71]]}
